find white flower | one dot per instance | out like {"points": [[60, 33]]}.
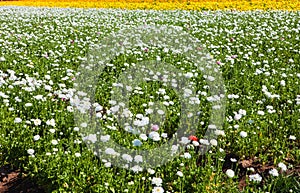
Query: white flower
{"points": [[174, 149], [166, 97], [143, 137], [154, 136], [70, 109], [127, 157], [204, 141], [48, 77], [37, 122], [51, 122], [243, 134], [91, 137], [107, 164], [136, 169], [48, 87], [36, 137], [233, 160], [83, 125], [189, 75], [18, 120], [115, 108], [251, 169], [150, 103], [292, 137], [237, 116], [164, 135], [274, 172], [30, 151], [143, 122], [161, 112], [149, 111], [157, 190], [28, 104], [179, 173], [194, 100], [77, 154], [187, 92], [260, 112], [138, 158], [39, 97], [104, 138], [255, 177], [219, 132], [213, 142], [2, 59], [54, 142], [110, 151], [186, 155], [99, 115], [195, 143], [112, 102], [52, 130], [150, 171], [157, 181], [166, 103], [98, 108], [184, 140], [282, 166], [242, 112], [230, 173]]}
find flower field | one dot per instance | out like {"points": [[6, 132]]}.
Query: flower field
{"points": [[165, 4], [61, 114]]}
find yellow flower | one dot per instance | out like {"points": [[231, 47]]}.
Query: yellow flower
{"points": [[165, 4]]}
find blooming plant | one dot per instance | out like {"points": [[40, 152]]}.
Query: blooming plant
{"points": [[164, 4], [156, 117]]}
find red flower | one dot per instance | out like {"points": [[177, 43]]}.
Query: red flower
{"points": [[193, 138]]}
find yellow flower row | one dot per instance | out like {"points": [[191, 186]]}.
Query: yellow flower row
{"points": [[165, 4]]}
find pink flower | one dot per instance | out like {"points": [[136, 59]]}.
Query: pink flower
{"points": [[154, 127]]}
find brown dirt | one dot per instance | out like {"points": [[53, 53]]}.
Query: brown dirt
{"points": [[11, 181], [256, 164]]}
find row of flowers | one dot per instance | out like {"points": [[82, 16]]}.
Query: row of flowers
{"points": [[41, 50], [165, 4]]}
